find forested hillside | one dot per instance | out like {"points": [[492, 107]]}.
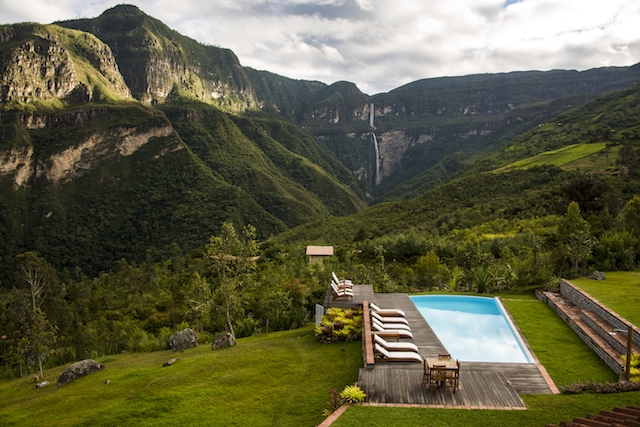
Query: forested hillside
{"points": [[90, 176]]}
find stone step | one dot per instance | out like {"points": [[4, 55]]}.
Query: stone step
{"points": [[617, 339], [575, 318]]}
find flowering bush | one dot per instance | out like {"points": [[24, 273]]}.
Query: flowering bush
{"points": [[340, 325]]}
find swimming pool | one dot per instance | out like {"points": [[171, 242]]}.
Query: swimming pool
{"points": [[472, 329]]}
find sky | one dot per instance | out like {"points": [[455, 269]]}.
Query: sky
{"points": [[383, 44]]}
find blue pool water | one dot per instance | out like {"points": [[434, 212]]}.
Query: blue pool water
{"points": [[472, 329]]}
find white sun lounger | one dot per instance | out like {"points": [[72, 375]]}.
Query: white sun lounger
{"points": [[341, 293], [341, 282], [395, 346], [395, 333], [389, 319], [391, 326], [397, 356], [386, 311]]}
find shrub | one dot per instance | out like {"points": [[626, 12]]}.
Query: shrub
{"points": [[340, 325], [353, 394], [334, 402], [593, 387]]}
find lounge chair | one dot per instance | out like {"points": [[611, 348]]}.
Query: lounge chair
{"points": [[341, 293], [390, 333], [391, 325], [341, 281], [386, 311], [395, 346], [389, 319], [397, 356]]}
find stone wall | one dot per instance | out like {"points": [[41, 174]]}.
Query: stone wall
{"points": [[610, 361], [587, 302]]}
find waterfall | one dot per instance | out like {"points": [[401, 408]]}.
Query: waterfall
{"points": [[372, 113], [375, 145]]}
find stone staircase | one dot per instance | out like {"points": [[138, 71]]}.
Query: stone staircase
{"points": [[628, 416], [594, 323]]}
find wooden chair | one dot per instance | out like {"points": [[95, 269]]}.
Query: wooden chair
{"points": [[437, 376], [426, 373], [444, 356], [452, 377]]}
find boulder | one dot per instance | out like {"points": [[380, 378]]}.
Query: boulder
{"points": [[187, 338], [597, 275], [79, 370], [169, 362], [223, 340]]}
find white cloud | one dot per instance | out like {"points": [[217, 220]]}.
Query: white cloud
{"points": [[379, 44]]}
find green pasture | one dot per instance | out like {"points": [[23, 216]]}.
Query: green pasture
{"points": [[588, 157], [277, 379]]}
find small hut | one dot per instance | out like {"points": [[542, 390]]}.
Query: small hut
{"points": [[318, 253]]}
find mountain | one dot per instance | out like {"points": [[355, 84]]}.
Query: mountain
{"points": [[609, 124], [417, 125], [120, 135], [89, 174]]}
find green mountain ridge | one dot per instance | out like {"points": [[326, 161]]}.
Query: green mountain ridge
{"points": [[267, 150], [478, 194], [87, 180]]}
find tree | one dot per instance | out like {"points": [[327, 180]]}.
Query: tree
{"points": [[575, 235], [198, 297], [234, 258], [631, 216], [38, 335]]}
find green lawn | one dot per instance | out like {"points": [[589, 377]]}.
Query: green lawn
{"points": [[278, 379], [542, 410], [572, 157], [620, 291]]}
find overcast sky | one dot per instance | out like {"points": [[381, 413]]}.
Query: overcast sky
{"points": [[383, 44]]}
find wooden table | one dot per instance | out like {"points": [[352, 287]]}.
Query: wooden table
{"points": [[441, 372]]}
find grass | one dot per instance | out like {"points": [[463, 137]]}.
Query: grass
{"points": [[569, 157], [278, 379], [563, 354], [620, 291], [542, 409]]}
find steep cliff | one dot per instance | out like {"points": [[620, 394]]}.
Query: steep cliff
{"points": [[156, 60], [46, 62]]}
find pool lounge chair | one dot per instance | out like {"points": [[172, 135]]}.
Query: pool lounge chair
{"points": [[390, 333], [341, 281], [386, 311], [388, 319], [395, 346], [341, 293], [396, 356], [339, 286], [386, 325]]}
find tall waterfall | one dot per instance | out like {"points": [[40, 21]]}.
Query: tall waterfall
{"points": [[375, 144], [372, 113]]}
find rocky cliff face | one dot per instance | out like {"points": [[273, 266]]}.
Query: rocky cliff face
{"points": [[157, 61], [40, 62]]}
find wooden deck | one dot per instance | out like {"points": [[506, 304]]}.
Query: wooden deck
{"points": [[482, 385], [361, 293]]}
